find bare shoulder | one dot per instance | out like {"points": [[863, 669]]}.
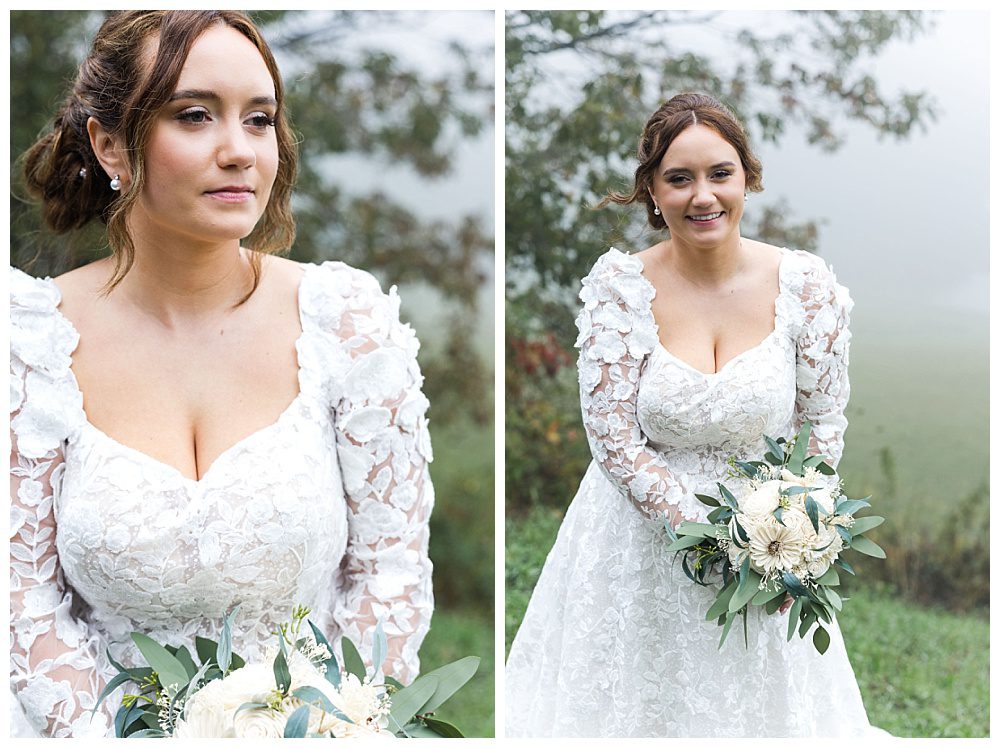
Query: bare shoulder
{"points": [[646, 255], [281, 276], [768, 255], [83, 285]]}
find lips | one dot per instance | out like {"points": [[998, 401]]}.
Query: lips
{"points": [[232, 193]]}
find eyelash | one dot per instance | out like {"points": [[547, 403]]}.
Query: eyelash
{"points": [[679, 178], [190, 116]]}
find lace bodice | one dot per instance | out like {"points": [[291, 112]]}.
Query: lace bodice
{"points": [[661, 430], [327, 507]]}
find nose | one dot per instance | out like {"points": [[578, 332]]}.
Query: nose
{"points": [[235, 149], [703, 194]]}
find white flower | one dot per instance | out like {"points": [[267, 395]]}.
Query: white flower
{"points": [[259, 723], [774, 547], [762, 501], [210, 710], [364, 704]]}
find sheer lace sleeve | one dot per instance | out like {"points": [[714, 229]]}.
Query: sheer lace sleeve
{"points": [[384, 449], [617, 334], [822, 386], [53, 662]]}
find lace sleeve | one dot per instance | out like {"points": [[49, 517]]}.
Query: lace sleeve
{"points": [[822, 386], [616, 336], [53, 660], [384, 449]]}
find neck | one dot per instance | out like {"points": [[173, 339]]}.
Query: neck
{"points": [[179, 281], [709, 267]]}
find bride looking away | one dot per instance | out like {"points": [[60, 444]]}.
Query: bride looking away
{"points": [[197, 423]]}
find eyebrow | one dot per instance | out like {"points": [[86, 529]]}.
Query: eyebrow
{"points": [[670, 172], [194, 93]]}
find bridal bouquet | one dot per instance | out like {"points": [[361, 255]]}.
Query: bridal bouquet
{"points": [[782, 533], [300, 690]]}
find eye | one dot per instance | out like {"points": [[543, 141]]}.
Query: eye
{"points": [[722, 174], [260, 120], [677, 179], [194, 115]]}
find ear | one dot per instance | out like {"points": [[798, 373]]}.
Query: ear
{"points": [[651, 195], [109, 151]]}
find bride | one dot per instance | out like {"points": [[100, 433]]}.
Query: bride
{"points": [[197, 424], [690, 352]]}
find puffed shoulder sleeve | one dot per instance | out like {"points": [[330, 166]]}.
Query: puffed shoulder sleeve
{"points": [[822, 385], [384, 449], [53, 662], [617, 333]]}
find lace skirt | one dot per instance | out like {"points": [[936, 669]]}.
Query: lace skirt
{"points": [[615, 644]]}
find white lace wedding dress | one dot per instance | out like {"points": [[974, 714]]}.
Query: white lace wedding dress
{"points": [[614, 642], [327, 507]]}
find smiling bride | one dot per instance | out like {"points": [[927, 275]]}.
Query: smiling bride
{"points": [[197, 423]]}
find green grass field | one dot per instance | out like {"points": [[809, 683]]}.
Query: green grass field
{"points": [[457, 634], [922, 672]]}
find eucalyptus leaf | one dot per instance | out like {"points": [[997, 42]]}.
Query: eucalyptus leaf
{"points": [[167, 667], [707, 500], [699, 529], [312, 695], [825, 469], [746, 468], [774, 448], [772, 605], [807, 621], [844, 565], [778, 514], [205, 649], [767, 593], [282, 676], [830, 578], [793, 616], [379, 648], [821, 639], [812, 509], [298, 723], [813, 460], [669, 528], [442, 728], [727, 496], [184, 657], [688, 541], [149, 732], [796, 490], [776, 461], [794, 586], [798, 455], [721, 604], [746, 591], [390, 681], [120, 678], [352, 659], [332, 666], [863, 545], [718, 515], [864, 524], [834, 597], [725, 628], [407, 702], [741, 531], [845, 534], [851, 506], [450, 678]]}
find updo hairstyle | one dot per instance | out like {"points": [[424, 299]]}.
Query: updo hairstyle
{"points": [[679, 113], [119, 89]]}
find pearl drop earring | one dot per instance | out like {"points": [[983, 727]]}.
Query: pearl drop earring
{"points": [[116, 183]]}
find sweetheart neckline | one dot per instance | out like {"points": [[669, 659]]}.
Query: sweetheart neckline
{"points": [[231, 448], [782, 289]]}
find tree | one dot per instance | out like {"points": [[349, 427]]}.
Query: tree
{"points": [[344, 98]]}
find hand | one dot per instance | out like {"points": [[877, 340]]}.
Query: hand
{"points": [[786, 604]]}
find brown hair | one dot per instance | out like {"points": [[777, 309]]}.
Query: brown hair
{"points": [[679, 113], [114, 87]]}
